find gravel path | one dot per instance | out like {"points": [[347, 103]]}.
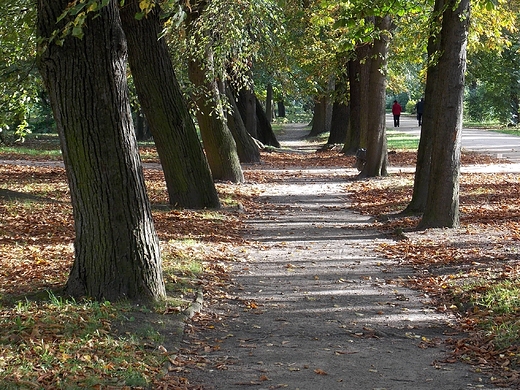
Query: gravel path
{"points": [[315, 308]]}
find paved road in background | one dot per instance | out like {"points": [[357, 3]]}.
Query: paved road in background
{"points": [[484, 141]]}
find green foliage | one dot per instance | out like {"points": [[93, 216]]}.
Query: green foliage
{"points": [[19, 81], [74, 16], [493, 77], [234, 39]]}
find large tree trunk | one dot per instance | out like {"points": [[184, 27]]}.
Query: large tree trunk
{"points": [[339, 123], [186, 170], [442, 205], [320, 124], [340, 111], [376, 157], [358, 74], [247, 108], [247, 148], [265, 130], [219, 143], [221, 149], [116, 248], [428, 128]]}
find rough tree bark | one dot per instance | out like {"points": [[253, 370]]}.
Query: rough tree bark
{"points": [[358, 74], [377, 156], [221, 149], [186, 170], [247, 148], [247, 108], [442, 205], [340, 111], [116, 247], [424, 152], [265, 130]]}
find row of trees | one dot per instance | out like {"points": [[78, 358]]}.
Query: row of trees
{"points": [[371, 35], [224, 52]]}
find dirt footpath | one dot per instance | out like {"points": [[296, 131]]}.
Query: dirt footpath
{"points": [[315, 308]]}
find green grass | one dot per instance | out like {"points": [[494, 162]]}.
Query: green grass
{"points": [[49, 341], [71, 344], [502, 297], [497, 303], [509, 131], [30, 152], [402, 141], [297, 116], [182, 266], [482, 125], [504, 334], [47, 147], [63, 344]]}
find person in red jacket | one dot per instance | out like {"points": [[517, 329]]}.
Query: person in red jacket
{"points": [[396, 111]]}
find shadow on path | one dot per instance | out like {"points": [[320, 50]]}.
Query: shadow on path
{"points": [[315, 308]]}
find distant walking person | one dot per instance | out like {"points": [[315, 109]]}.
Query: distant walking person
{"points": [[396, 111], [419, 107]]}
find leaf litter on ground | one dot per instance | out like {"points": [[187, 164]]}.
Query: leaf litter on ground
{"points": [[463, 270]]}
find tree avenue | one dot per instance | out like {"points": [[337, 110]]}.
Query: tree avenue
{"points": [[116, 247]]}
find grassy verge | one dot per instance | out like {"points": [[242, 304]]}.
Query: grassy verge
{"points": [[510, 131], [49, 341], [402, 141], [46, 147], [56, 343]]}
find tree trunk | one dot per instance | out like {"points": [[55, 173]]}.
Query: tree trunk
{"points": [[442, 205], [269, 103], [142, 130], [265, 130], [252, 111], [281, 109], [186, 170], [358, 74], [339, 123], [322, 118], [340, 110], [417, 204], [116, 248], [376, 157], [221, 149], [247, 149], [515, 102], [319, 118], [247, 107]]}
